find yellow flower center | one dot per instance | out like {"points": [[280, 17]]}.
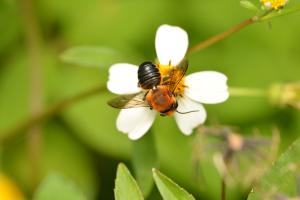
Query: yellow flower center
{"points": [[171, 75], [275, 4]]}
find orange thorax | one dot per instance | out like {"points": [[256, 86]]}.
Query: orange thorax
{"points": [[162, 100]]}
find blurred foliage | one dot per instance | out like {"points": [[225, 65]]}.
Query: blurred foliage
{"points": [[240, 160], [9, 190], [91, 56], [60, 153], [56, 187], [83, 140], [144, 159], [283, 178]]}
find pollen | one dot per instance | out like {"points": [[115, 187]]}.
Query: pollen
{"points": [[274, 4], [173, 77]]}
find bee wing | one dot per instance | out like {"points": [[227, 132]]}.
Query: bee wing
{"points": [[128, 101], [175, 75]]}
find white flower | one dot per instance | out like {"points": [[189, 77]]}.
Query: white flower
{"points": [[208, 87]]}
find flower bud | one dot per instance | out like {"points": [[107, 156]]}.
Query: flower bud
{"points": [[286, 94], [274, 4]]}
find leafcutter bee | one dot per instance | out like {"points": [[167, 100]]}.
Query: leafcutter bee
{"points": [[161, 85]]}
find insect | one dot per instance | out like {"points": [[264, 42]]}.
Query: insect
{"points": [[159, 89]]}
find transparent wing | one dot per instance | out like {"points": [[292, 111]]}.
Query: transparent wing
{"points": [[129, 101], [175, 75]]}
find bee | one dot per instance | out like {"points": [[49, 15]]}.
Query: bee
{"points": [[159, 91]]}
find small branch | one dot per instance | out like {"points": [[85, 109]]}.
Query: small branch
{"points": [[51, 111], [212, 40], [221, 36], [223, 189], [33, 44], [237, 91], [280, 13]]}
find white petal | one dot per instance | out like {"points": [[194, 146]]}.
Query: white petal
{"points": [[123, 79], [207, 87], [187, 122], [135, 121], [171, 43]]}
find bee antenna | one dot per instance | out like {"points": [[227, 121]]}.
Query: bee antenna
{"points": [[187, 112]]}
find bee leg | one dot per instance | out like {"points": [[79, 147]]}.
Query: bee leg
{"points": [[144, 98]]}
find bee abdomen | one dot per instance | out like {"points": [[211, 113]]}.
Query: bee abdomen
{"points": [[148, 75]]}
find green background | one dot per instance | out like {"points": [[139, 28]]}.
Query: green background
{"points": [[82, 142]]}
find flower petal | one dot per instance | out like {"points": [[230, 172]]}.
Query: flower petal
{"points": [[207, 87], [171, 43], [123, 79], [135, 121], [187, 122]]}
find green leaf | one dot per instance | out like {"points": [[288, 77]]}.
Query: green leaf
{"points": [[91, 56], [168, 189], [126, 187], [248, 5], [58, 188], [74, 162], [144, 160], [281, 178]]}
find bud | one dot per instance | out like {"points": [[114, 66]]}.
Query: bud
{"points": [[286, 94], [274, 4]]}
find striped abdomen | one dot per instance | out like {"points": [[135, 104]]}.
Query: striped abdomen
{"points": [[148, 75]]}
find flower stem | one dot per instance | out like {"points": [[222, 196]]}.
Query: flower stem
{"points": [[223, 189], [280, 13], [221, 36], [267, 15], [33, 45], [38, 118], [237, 91]]}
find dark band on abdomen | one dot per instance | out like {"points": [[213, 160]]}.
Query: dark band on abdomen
{"points": [[148, 75]]}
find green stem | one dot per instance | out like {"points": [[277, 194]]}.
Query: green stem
{"points": [[33, 44], [223, 189], [221, 36], [38, 118], [268, 15], [280, 13], [144, 159], [252, 92]]}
